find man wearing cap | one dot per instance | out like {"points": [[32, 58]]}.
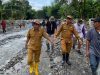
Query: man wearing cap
{"points": [[79, 26], [33, 45], [93, 46], [67, 30]]}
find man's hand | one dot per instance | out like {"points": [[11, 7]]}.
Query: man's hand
{"points": [[80, 42], [87, 54], [51, 42], [55, 37]]}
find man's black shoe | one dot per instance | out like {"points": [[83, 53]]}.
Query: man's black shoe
{"points": [[68, 62], [79, 52], [63, 62]]}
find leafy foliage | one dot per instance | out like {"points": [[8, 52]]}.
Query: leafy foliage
{"points": [[77, 8], [17, 9], [20, 9]]}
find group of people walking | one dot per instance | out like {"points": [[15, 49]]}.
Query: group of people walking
{"points": [[69, 34]]}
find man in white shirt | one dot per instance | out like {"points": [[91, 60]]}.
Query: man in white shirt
{"points": [[79, 26]]}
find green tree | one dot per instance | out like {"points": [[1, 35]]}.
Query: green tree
{"points": [[17, 9], [0, 2], [30, 14], [0, 9]]}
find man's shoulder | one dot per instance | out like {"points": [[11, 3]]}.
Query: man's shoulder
{"points": [[75, 24], [72, 26], [31, 30], [64, 24], [91, 30], [42, 29]]}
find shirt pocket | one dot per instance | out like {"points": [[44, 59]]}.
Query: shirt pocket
{"points": [[65, 29], [71, 29]]}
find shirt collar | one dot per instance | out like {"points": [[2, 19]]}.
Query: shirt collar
{"points": [[33, 28]]}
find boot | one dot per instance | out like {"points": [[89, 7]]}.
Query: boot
{"points": [[67, 59], [63, 59], [64, 56], [31, 69], [69, 63], [33, 66], [79, 52], [48, 47], [36, 69], [73, 46]]}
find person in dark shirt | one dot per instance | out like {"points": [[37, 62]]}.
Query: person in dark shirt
{"points": [[93, 46], [51, 28], [43, 23]]}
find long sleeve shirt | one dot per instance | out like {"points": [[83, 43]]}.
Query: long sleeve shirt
{"points": [[67, 32], [35, 38]]}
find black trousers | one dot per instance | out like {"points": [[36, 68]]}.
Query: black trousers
{"points": [[65, 57], [4, 30]]}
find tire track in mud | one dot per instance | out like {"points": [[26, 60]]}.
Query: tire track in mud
{"points": [[8, 39], [14, 60]]}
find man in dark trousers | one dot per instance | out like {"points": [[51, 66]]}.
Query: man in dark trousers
{"points": [[67, 30], [51, 28], [43, 23]]}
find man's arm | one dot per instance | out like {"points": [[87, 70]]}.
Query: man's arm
{"points": [[45, 35], [55, 27], [76, 34], [83, 31], [88, 39], [28, 38], [87, 48]]}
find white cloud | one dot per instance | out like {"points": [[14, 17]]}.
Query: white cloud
{"points": [[38, 4], [5, 1]]}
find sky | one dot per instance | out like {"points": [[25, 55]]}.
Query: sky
{"points": [[38, 4]]}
